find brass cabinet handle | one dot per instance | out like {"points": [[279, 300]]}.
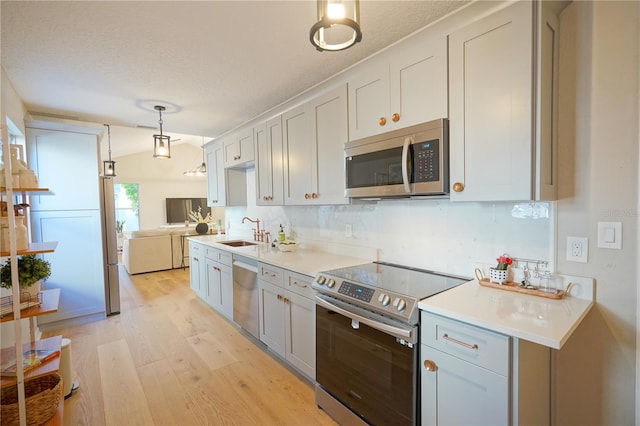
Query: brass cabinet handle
{"points": [[430, 365], [236, 157], [296, 283], [214, 201], [458, 187], [286, 300], [215, 268], [196, 259], [395, 117], [382, 121], [445, 336]]}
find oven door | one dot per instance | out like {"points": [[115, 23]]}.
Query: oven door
{"points": [[371, 371]]}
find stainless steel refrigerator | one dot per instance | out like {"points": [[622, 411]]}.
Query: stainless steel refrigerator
{"points": [[110, 247]]}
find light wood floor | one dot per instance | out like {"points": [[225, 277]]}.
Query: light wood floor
{"points": [[168, 359]]}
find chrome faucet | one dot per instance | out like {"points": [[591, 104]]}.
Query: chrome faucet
{"points": [[256, 232]]}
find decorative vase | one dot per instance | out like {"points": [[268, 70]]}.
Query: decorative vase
{"points": [[498, 276], [202, 228], [30, 294]]}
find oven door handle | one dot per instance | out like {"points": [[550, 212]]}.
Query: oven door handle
{"points": [[405, 165], [401, 333]]}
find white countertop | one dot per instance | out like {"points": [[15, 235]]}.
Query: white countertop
{"points": [[548, 322], [303, 261]]}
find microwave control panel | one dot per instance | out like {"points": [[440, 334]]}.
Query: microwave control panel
{"points": [[426, 161]]}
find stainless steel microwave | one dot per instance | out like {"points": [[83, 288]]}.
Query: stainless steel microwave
{"points": [[413, 161]]}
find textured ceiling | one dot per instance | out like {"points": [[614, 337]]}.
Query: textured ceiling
{"points": [[214, 64]]}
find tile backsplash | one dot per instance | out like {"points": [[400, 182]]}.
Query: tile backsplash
{"points": [[430, 234]]}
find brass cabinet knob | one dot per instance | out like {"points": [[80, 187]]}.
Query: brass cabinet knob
{"points": [[430, 365], [307, 196], [395, 117], [236, 157], [382, 121], [458, 187], [314, 195]]}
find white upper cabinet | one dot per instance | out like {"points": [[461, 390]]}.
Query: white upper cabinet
{"points": [[408, 88], [225, 187], [314, 135], [269, 163], [502, 140], [238, 149]]}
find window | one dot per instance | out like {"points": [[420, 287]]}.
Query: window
{"points": [[126, 202]]}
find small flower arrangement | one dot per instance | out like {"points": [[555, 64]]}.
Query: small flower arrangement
{"points": [[197, 216], [503, 262]]}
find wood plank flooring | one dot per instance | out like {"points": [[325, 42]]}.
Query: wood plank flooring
{"points": [[169, 359]]}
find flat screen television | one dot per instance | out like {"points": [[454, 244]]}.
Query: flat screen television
{"points": [[178, 208]]}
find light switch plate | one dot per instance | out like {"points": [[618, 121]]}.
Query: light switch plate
{"points": [[610, 235]]}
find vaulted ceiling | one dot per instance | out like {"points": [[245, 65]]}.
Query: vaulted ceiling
{"points": [[213, 64]]}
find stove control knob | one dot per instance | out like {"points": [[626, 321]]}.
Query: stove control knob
{"points": [[384, 299], [321, 280], [331, 283], [401, 305]]}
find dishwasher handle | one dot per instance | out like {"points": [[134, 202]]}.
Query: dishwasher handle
{"points": [[246, 266]]}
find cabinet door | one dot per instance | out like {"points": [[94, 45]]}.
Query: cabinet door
{"points": [[301, 157], [215, 175], [226, 291], [269, 163], [238, 149], [272, 329], [418, 79], [195, 254], [456, 392], [369, 101], [213, 285], [300, 342], [491, 106], [330, 133]]}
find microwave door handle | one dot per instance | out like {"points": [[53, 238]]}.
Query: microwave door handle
{"points": [[405, 166]]}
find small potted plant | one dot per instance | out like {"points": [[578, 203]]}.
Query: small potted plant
{"points": [[31, 271], [498, 274]]}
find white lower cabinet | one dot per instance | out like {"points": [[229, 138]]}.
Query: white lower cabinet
{"points": [[287, 316], [219, 281], [197, 268], [473, 376]]}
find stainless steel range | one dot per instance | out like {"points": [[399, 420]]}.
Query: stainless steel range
{"points": [[367, 331]]}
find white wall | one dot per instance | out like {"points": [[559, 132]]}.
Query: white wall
{"points": [[11, 106], [596, 370], [162, 178]]}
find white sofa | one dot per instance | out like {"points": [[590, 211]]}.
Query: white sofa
{"points": [[155, 249]]}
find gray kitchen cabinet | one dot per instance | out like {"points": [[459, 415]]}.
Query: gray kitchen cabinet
{"points": [[219, 281], [503, 97], [314, 134], [238, 149], [287, 316], [269, 155], [406, 87], [225, 187], [473, 376], [197, 268]]}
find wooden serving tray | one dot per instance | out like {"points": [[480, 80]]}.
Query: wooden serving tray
{"points": [[511, 286]]}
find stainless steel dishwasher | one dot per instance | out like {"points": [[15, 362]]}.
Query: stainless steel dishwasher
{"points": [[245, 294]]}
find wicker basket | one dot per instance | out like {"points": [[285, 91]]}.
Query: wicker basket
{"points": [[43, 395]]}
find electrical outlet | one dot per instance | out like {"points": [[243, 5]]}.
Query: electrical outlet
{"points": [[577, 249], [348, 231]]}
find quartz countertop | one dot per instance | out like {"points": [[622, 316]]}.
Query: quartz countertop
{"points": [[303, 261], [548, 322]]}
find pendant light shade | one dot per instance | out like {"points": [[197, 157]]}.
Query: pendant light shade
{"points": [[109, 165], [161, 143], [201, 170], [338, 25]]}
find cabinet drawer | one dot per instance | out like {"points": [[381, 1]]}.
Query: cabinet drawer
{"points": [[195, 249], [271, 274], [298, 283], [220, 256], [473, 344]]}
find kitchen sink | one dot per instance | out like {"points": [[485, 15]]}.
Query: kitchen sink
{"points": [[237, 243]]}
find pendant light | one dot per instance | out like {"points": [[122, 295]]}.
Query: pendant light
{"points": [[161, 143], [201, 170], [338, 25], [109, 165]]}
